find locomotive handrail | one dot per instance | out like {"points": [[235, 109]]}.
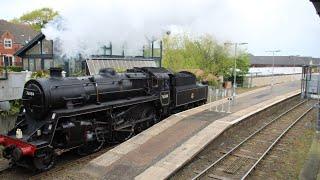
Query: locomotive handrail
{"points": [[74, 98], [110, 92]]}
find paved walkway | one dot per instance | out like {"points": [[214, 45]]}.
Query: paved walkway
{"points": [[164, 147]]}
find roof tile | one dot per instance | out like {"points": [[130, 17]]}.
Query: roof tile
{"points": [[21, 32]]}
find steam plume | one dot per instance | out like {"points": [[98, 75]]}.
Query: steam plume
{"points": [[88, 25]]}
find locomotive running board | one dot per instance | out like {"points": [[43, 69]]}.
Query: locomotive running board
{"points": [[122, 127]]}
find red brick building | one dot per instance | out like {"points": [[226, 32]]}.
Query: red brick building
{"points": [[12, 38]]}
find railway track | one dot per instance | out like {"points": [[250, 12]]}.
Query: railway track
{"points": [[244, 157], [61, 167], [64, 164], [4, 165]]}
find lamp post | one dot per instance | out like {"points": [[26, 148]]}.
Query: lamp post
{"points": [[272, 76], [235, 67]]}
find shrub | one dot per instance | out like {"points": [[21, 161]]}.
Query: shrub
{"points": [[39, 74], [12, 69], [15, 108]]}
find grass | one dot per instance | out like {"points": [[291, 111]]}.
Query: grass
{"points": [[289, 156], [312, 166]]}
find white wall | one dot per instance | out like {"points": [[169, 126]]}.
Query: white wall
{"points": [[263, 71], [12, 88]]}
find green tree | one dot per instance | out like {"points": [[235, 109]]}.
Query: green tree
{"points": [[203, 53], [37, 18]]}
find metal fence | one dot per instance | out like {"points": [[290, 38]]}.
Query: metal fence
{"points": [[216, 94]]}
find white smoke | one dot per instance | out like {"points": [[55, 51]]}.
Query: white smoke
{"points": [[88, 25]]}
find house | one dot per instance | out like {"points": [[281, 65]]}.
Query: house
{"points": [[12, 38]]}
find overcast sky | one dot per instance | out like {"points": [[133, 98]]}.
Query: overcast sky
{"points": [[289, 25]]}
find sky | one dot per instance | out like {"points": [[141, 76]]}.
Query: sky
{"points": [[291, 26]]}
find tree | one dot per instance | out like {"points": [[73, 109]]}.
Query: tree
{"points": [[203, 53], [37, 18]]}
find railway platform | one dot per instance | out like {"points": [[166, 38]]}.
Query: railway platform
{"points": [[162, 149]]}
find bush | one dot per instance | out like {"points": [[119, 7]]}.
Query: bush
{"points": [[15, 108], [12, 69], [39, 74], [15, 69], [77, 74]]}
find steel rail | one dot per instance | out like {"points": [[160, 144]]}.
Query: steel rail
{"points": [[244, 141], [4, 169], [61, 167], [274, 143]]}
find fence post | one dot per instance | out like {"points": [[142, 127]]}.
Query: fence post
{"points": [[318, 118], [223, 94], [217, 98]]}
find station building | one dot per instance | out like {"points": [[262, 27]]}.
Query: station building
{"points": [[37, 54], [282, 61], [41, 54]]}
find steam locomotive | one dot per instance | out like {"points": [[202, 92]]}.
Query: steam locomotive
{"points": [[83, 113]]}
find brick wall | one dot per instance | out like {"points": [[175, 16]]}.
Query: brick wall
{"points": [[9, 51]]}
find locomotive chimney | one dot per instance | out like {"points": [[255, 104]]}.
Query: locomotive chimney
{"points": [[55, 72]]}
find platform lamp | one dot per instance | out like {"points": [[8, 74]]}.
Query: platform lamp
{"points": [[273, 53], [235, 67]]}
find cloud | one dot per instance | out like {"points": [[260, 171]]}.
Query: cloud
{"points": [[289, 25]]}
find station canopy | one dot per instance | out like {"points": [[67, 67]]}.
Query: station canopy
{"points": [[95, 64]]}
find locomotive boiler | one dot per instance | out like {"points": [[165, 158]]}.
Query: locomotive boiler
{"points": [[85, 113]]}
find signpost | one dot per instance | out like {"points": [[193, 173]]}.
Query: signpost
{"points": [[310, 87]]}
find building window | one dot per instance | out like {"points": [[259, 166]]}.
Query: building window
{"points": [[8, 60], [7, 43]]}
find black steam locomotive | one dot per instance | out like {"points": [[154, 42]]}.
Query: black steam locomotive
{"points": [[84, 113]]}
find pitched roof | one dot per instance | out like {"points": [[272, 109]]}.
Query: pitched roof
{"points": [[30, 44], [316, 4], [283, 60], [21, 32]]}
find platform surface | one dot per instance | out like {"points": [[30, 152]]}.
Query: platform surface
{"points": [[166, 146]]}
